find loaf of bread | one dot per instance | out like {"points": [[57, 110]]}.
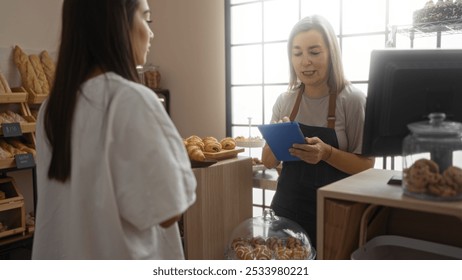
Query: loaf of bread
{"points": [[2, 89], [4, 86], [40, 74], [21, 146], [11, 117], [26, 70], [5, 154], [8, 148], [48, 67]]}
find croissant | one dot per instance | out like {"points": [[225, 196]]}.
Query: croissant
{"points": [[200, 144], [195, 153], [209, 139], [228, 143], [194, 138], [212, 147]]}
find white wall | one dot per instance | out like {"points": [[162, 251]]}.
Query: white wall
{"points": [[189, 47], [33, 25]]}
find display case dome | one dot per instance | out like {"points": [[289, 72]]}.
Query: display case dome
{"points": [[269, 237]]}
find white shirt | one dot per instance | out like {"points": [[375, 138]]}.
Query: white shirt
{"points": [[130, 172], [349, 113]]}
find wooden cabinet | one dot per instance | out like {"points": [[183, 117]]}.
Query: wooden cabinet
{"points": [[224, 200], [427, 220]]}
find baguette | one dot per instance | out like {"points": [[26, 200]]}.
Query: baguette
{"points": [[4, 86], [41, 77], [26, 70], [8, 148], [5, 154], [21, 146], [2, 89], [48, 67]]}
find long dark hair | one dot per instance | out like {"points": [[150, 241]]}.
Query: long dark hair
{"points": [[95, 35]]}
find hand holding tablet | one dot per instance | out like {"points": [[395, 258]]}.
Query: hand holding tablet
{"points": [[280, 137]]}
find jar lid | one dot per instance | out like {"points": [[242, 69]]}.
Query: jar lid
{"points": [[436, 126]]}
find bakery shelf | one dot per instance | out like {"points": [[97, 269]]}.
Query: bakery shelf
{"points": [[427, 29]]}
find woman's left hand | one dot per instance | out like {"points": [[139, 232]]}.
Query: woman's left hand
{"points": [[313, 151]]}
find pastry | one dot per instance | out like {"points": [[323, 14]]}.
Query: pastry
{"points": [[293, 242], [200, 144], [26, 70], [239, 242], [212, 147], [194, 138], [195, 153], [422, 173], [40, 74], [257, 241], [283, 254], [48, 67], [299, 253], [209, 139], [453, 177], [244, 253], [274, 243], [228, 143], [262, 252]]}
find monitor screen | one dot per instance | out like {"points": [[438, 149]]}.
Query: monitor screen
{"points": [[405, 86]]}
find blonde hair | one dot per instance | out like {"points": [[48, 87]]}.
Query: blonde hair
{"points": [[336, 80]]}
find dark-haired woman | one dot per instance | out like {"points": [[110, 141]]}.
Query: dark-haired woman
{"points": [[113, 175]]}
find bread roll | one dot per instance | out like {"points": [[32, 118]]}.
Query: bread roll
{"points": [[48, 67], [41, 77], [26, 70]]}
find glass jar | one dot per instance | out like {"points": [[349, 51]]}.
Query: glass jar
{"points": [[269, 237], [152, 76], [432, 159]]}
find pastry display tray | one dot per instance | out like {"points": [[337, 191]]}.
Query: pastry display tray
{"points": [[224, 154]]}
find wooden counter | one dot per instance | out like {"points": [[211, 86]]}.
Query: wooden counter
{"points": [[439, 221], [224, 200]]}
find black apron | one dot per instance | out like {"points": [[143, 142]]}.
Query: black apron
{"points": [[295, 196]]}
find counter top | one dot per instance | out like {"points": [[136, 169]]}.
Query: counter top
{"points": [[371, 186]]}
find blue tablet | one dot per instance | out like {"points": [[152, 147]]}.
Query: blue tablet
{"points": [[280, 137]]}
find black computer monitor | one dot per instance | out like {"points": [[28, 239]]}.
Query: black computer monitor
{"points": [[405, 86]]}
